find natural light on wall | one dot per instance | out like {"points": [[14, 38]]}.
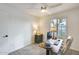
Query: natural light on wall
{"points": [[35, 28]]}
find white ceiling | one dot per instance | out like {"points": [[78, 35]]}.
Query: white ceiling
{"points": [[35, 8]]}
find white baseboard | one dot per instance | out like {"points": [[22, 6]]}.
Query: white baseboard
{"points": [[6, 53], [3, 53], [74, 49], [28, 43]]}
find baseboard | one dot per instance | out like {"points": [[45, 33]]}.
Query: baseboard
{"points": [[3, 53], [19, 47], [74, 49]]}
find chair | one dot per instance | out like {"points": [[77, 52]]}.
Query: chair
{"points": [[66, 45]]}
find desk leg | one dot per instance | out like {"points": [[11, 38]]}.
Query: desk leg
{"points": [[47, 52]]}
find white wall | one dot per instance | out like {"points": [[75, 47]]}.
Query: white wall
{"points": [[73, 25], [44, 26], [17, 26]]}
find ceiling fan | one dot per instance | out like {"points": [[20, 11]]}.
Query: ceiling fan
{"points": [[46, 6]]}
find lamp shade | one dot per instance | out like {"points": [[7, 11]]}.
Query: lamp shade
{"points": [[53, 29]]}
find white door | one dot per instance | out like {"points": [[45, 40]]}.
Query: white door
{"points": [[3, 39]]}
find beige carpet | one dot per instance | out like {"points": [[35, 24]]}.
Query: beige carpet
{"points": [[36, 50]]}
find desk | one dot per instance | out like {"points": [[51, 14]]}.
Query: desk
{"points": [[48, 51], [55, 48]]}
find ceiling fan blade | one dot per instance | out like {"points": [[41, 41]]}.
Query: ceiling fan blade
{"points": [[53, 6]]}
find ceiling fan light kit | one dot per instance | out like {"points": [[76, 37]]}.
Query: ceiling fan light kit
{"points": [[43, 9]]}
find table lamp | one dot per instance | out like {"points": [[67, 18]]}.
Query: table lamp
{"points": [[53, 29]]}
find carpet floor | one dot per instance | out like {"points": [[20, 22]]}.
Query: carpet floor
{"points": [[36, 50]]}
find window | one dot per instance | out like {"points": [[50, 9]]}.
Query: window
{"points": [[61, 25]]}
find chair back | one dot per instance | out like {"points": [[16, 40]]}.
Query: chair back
{"points": [[66, 45]]}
